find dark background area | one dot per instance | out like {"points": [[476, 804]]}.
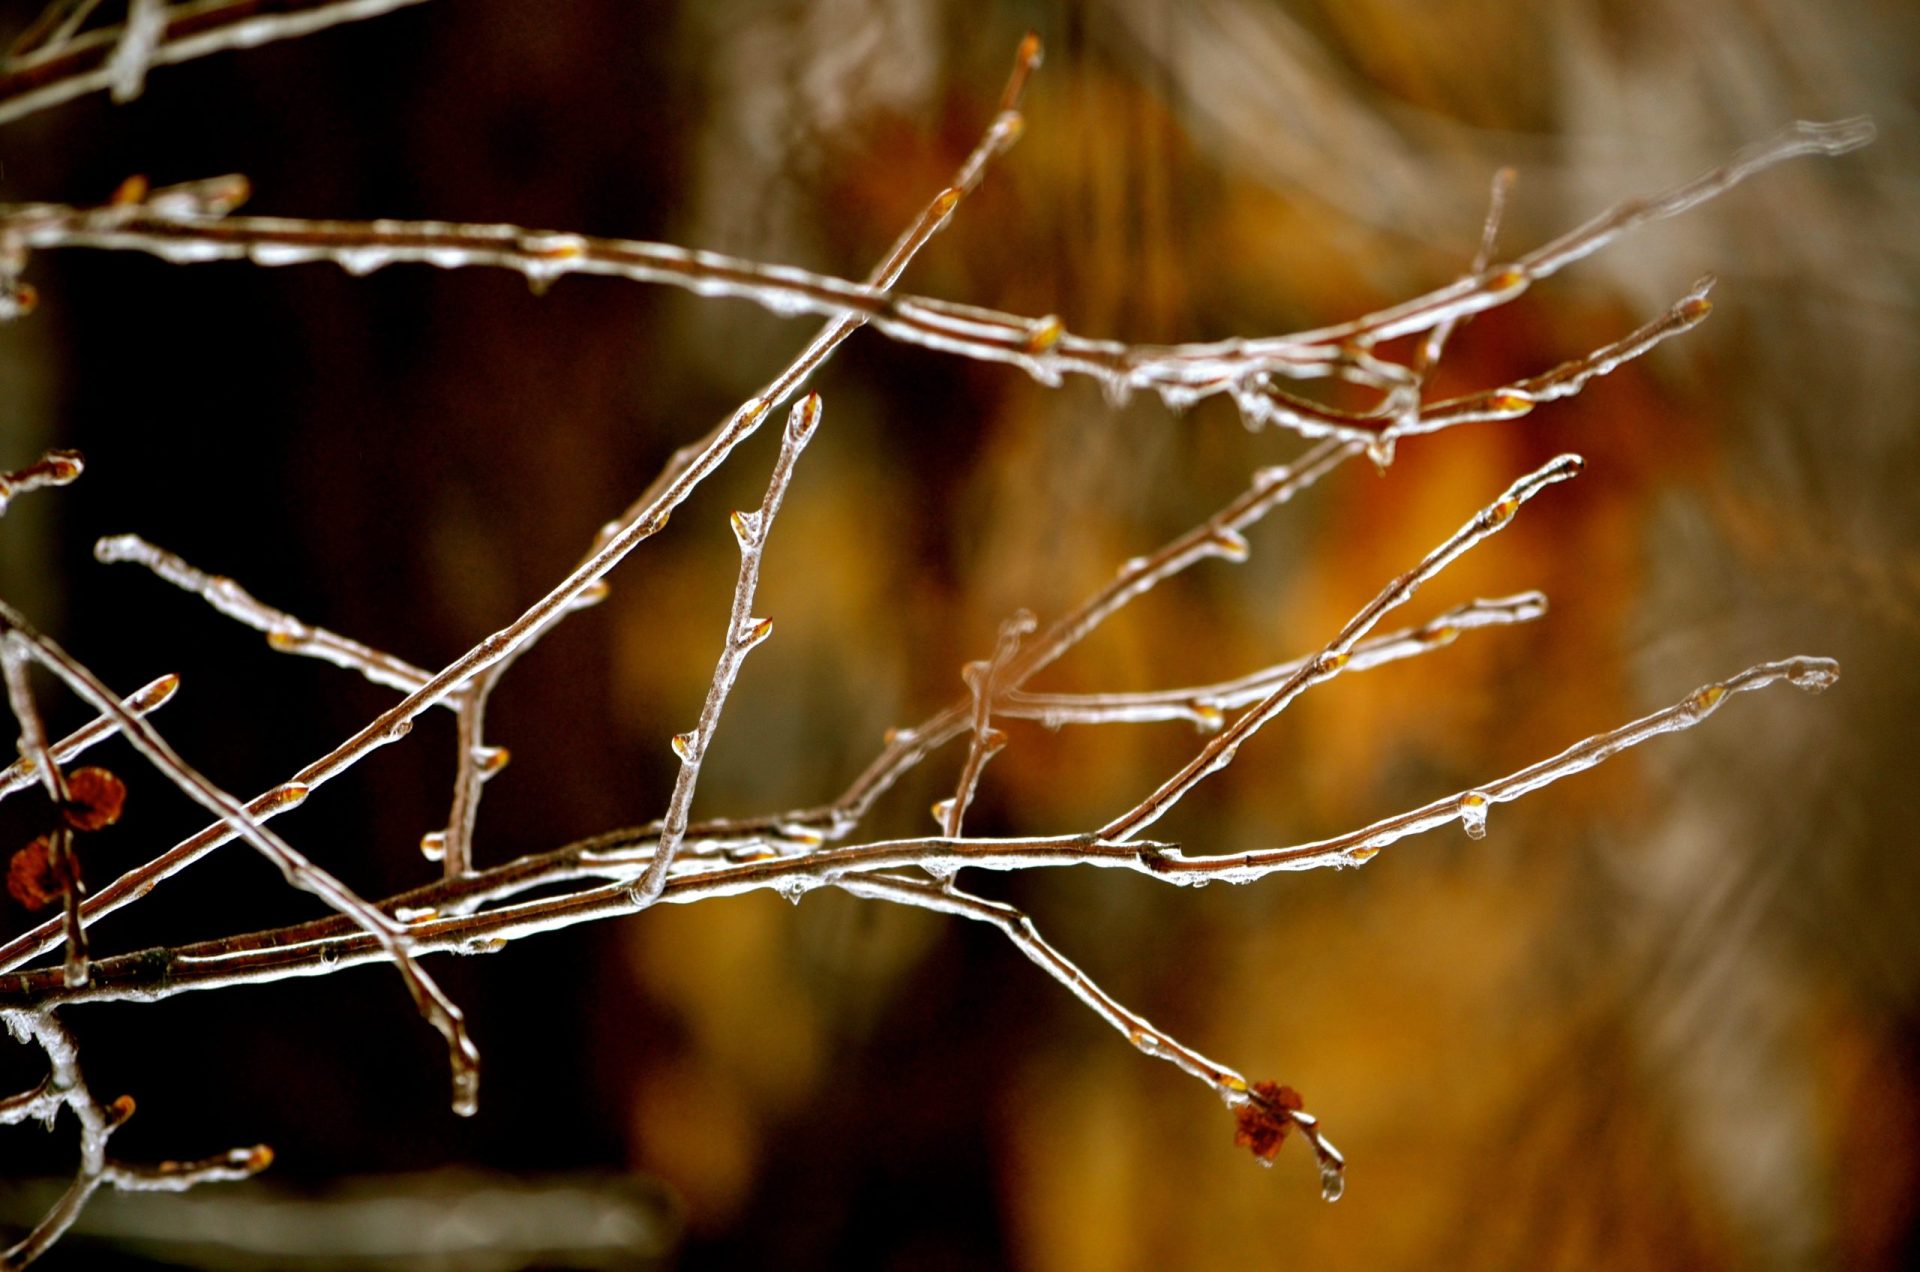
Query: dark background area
{"points": [[1665, 1015]]}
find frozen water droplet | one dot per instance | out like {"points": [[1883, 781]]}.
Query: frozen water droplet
{"points": [[281, 798], [746, 529], [758, 629], [271, 254], [1813, 674], [361, 261], [491, 759], [433, 845], [1702, 701], [1510, 403], [793, 887], [1044, 334], [1272, 475], [1473, 814], [1380, 452], [940, 812], [992, 740], [1228, 544], [683, 746], [1333, 1180], [1330, 664], [1207, 717], [803, 418]]}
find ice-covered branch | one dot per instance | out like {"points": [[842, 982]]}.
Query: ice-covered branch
{"points": [[185, 231], [1205, 705], [328, 945], [744, 634], [66, 1088], [51, 64], [391, 938], [55, 468], [1219, 752]]}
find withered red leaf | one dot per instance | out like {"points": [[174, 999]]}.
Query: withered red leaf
{"points": [[1261, 1124], [94, 798], [31, 877]]}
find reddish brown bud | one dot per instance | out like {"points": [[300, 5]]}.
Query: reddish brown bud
{"points": [[94, 798], [31, 877], [1261, 1124]]}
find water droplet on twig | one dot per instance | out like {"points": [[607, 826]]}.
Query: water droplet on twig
{"points": [[1473, 814]]}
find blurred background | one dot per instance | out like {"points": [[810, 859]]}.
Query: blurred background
{"points": [[1666, 1014]]}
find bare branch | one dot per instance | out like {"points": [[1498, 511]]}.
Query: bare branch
{"points": [[325, 946], [1229, 1084], [65, 1087], [44, 72], [455, 843], [24, 772], [35, 750], [283, 631], [1203, 705], [744, 634], [55, 468], [177, 231], [982, 680], [434, 1005], [1219, 753]]}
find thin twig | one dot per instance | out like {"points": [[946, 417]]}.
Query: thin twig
{"points": [[1181, 374], [1567, 379], [55, 468], [324, 946], [47, 73], [983, 682], [1001, 133], [907, 747], [34, 749], [744, 634], [1228, 1083], [434, 1006], [24, 772], [1220, 536], [1204, 705], [65, 1087], [52, 29], [283, 631], [1219, 752]]}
